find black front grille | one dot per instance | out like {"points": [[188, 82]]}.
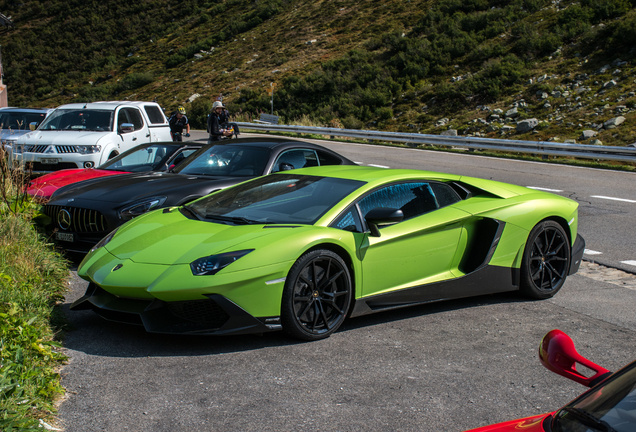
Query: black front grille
{"points": [[35, 148], [39, 166], [66, 148], [82, 220], [206, 312]]}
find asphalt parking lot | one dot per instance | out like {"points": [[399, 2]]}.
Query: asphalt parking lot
{"points": [[441, 367]]}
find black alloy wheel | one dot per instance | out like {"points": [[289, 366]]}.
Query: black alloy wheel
{"points": [[316, 296], [546, 260]]}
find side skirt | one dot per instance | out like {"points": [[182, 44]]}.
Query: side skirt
{"points": [[485, 280]]}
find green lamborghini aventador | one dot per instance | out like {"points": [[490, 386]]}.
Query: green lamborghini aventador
{"points": [[302, 250]]}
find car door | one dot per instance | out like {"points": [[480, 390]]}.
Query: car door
{"points": [[139, 135], [418, 250]]}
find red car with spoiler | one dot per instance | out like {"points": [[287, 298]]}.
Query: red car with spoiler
{"points": [[144, 158], [608, 406]]}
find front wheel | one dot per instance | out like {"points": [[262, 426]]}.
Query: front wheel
{"points": [[546, 260], [316, 296]]}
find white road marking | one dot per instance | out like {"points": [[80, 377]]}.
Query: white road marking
{"points": [[544, 189], [631, 263], [613, 199], [378, 166], [359, 163], [592, 252]]}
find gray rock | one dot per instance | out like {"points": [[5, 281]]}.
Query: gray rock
{"points": [[569, 141], [609, 84], [587, 134], [527, 125], [497, 111], [193, 97], [507, 128], [556, 94], [612, 123], [449, 132], [603, 69], [596, 142], [512, 112]]}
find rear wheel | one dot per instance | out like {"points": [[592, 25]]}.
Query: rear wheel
{"points": [[546, 260], [316, 296]]}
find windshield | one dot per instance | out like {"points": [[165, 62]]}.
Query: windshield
{"points": [[609, 408], [277, 198], [19, 120], [148, 158], [80, 120], [228, 160]]}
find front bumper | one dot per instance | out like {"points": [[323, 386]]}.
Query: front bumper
{"points": [[215, 315]]}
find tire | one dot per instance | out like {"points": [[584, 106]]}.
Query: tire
{"points": [[546, 261], [316, 296]]}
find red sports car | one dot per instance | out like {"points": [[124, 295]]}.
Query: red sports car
{"points": [[608, 406], [146, 157]]}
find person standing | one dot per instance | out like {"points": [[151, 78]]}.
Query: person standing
{"points": [[178, 121], [216, 122]]}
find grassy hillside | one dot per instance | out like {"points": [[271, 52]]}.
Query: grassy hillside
{"points": [[415, 65]]}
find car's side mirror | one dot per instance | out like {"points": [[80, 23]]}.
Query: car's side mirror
{"points": [[382, 216], [284, 166], [126, 127], [33, 126], [558, 354]]}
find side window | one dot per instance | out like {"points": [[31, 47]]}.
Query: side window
{"points": [[181, 156], [327, 158], [294, 159], [135, 117], [445, 194], [122, 118], [349, 221], [155, 115], [414, 199]]}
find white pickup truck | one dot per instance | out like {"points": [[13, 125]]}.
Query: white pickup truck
{"points": [[87, 135]]}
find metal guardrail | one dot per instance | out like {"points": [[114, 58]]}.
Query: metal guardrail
{"points": [[584, 151]]}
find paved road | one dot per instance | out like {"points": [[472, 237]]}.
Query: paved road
{"points": [[441, 367]]}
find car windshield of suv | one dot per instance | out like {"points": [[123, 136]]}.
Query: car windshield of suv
{"points": [[610, 407], [148, 158], [19, 120], [276, 198], [227, 160], [79, 120]]}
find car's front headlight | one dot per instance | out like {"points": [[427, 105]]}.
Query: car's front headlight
{"points": [[17, 148], [213, 264], [141, 207], [103, 242], [88, 149]]}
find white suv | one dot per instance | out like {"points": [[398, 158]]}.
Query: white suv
{"points": [[87, 135]]}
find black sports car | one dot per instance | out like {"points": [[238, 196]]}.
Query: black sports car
{"points": [[85, 212]]}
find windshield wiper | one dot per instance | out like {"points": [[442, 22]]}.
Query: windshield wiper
{"points": [[589, 420], [239, 220]]}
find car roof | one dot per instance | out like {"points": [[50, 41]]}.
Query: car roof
{"points": [[26, 110], [279, 143], [109, 105], [373, 174]]}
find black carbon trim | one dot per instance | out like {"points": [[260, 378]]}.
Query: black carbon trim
{"points": [[213, 316], [486, 280], [576, 254]]}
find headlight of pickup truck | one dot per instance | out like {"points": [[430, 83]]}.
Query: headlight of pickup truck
{"points": [[140, 207], [88, 149], [17, 148]]}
